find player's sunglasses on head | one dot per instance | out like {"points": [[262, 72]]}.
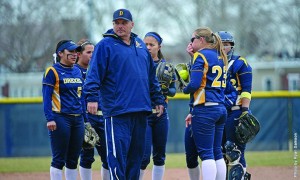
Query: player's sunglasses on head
{"points": [[86, 43], [193, 38]]}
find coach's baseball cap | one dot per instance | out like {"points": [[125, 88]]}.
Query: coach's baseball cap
{"points": [[122, 14], [69, 45]]}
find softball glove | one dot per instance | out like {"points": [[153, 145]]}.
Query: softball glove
{"points": [[91, 138], [247, 128], [164, 73]]}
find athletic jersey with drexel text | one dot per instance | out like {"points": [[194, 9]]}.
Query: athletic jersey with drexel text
{"points": [[62, 88], [208, 78], [83, 73], [240, 76]]}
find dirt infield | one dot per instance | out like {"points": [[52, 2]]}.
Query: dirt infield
{"points": [[258, 173]]}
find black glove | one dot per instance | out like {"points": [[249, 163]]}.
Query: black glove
{"points": [[247, 128], [245, 111]]}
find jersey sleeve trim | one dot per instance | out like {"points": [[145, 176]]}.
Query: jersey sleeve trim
{"points": [[56, 106], [246, 95]]}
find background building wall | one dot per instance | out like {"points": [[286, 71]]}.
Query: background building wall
{"points": [[21, 84]]}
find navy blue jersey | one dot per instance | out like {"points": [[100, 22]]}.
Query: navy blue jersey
{"points": [[240, 76], [83, 70], [62, 88], [208, 78], [83, 73]]}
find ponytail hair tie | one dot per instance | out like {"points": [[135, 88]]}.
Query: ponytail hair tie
{"points": [[54, 58]]}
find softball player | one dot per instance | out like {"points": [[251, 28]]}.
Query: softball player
{"points": [[191, 149], [97, 122], [238, 100], [84, 56], [62, 85], [122, 68], [207, 111], [158, 127]]}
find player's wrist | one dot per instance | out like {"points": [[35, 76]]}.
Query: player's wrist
{"points": [[244, 109]]}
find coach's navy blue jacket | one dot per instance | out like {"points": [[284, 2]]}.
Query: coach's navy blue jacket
{"points": [[125, 75]]}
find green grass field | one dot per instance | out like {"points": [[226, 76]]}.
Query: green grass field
{"points": [[42, 164]]}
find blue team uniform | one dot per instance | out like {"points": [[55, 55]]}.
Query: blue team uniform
{"points": [[125, 75], [206, 89], [240, 76], [157, 131], [191, 153], [97, 122], [82, 70], [62, 101]]}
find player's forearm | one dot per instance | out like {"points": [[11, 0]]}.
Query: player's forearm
{"points": [[194, 85], [246, 102]]}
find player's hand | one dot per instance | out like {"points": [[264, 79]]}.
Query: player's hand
{"points": [[92, 107], [51, 125], [160, 110], [245, 111], [188, 120], [190, 50], [243, 114]]}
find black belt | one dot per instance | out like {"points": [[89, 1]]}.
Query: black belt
{"points": [[76, 115]]}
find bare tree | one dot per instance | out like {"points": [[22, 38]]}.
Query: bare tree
{"points": [[30, 29], [30, 35]]}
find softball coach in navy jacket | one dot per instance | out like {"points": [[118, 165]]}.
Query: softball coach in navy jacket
{"points": [[123, 70]]}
